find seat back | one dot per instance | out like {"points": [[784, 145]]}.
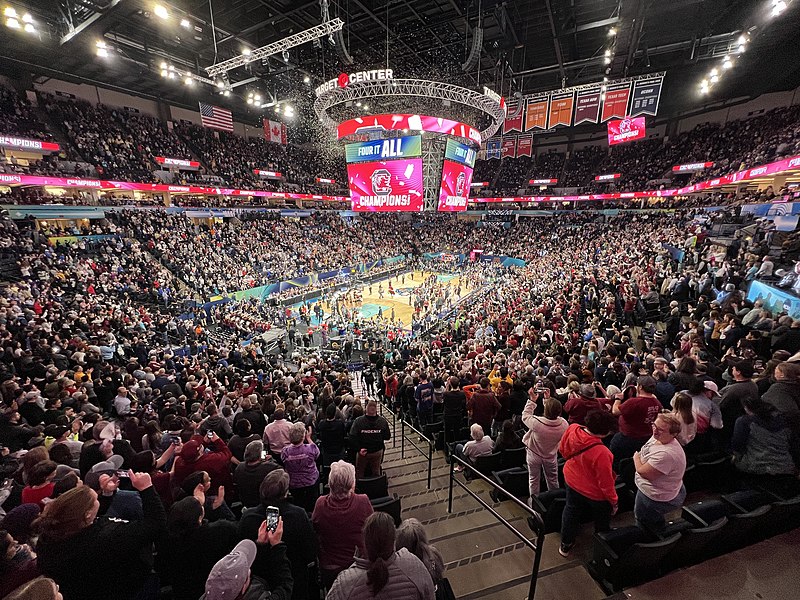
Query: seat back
{"points": [[785, 515], [550, 505], [513, 458], [373, 487], [690, 548], [391, 505], [642, 561], [742, 530], [487, 464], [515, 481]]}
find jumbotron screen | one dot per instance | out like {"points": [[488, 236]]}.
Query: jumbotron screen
{"points": [[386, 186], [459, 160]]}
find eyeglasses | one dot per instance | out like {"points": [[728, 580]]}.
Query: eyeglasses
{"points": [[659, 430]]}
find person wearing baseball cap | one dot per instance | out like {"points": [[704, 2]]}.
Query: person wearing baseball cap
{"points": [[230, 579]]}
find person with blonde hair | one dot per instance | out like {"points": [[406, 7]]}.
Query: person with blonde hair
{"points": [[338, 519], [660, 465], [541, 440]]}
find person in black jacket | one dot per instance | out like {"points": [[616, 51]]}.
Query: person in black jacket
{"points": [[455, 409], [368, 434], [331, 436], [191, 547], [298, 533], [95, 558]]}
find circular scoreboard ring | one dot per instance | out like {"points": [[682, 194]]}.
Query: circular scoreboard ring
{"points": [[366, 90]]}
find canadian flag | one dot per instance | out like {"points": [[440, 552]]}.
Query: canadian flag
{"points": [[274, 131]]}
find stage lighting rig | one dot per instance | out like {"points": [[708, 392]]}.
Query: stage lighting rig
{"points": [[281, 46]]}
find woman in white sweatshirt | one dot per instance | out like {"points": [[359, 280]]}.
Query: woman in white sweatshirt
{"points": [[542, 439]]}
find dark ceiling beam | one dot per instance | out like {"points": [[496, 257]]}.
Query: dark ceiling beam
{"points": [[91, 23], [277, 18], [421, 19], [556, 43], [592, 25], [561, 67]]}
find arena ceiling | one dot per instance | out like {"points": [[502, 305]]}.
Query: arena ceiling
{"points": [[528, 45]]}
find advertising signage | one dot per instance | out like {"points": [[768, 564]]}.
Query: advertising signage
{"points": [[608, 177], [386, 186], [626, 130], [456, 182], [542, 181], [180, 163], [405, 122], [691, 167], [377, 150], [10, 141], [460, 153]]}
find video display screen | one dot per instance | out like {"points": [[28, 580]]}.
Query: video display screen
{"points": [[626, 130], [456, 183], [386, 186]]}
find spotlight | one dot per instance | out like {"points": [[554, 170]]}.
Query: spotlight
{"points": [[366, 107], [102, 52], [306, 79], [164, 73], [612, 32], [728, 63], [249, 100], [714, 78], [742, 40], [12, 23], [163, 65], [257, 98], [171, 75], [185, 23], [29, 28], [285, 56], [188, 80], [160, 12], [27, 18], [226, 93], [277, 108], [778, 6], [245, 51], [608, 53], [220, 84], [10, 12], [607, 60]]}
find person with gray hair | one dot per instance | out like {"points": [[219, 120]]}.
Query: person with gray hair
{"points": [[249, 473], [338, 519], [300, 461], [479, 445], [298, 534], [411, 535]]}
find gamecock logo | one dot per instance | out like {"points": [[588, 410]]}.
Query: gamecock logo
{"points": [[460, 181], [381, 182]]}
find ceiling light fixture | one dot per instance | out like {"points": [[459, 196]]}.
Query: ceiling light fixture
{"points": [[612, 32], [728, 63], [185, 23], [160, 12], [10, 12]]}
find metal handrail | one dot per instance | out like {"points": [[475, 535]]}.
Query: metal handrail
{"points": [[403, 425], [536, 545]]}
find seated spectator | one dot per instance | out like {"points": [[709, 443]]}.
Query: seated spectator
{"points": [[507, 439], [479, 445], [40, 483], [682, 406], [338, 519], [383, 571], [660, 466], [249, 473], [41, 588], [107, 551]]}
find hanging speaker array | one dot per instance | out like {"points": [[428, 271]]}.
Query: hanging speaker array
{"points": [[475, 53], [341, 48]]}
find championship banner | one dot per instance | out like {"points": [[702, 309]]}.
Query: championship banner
{"points": [[587, 106], [525, 145], [616, 100], [646, 94], [515, 114], [509, 148], [561, 104], [493, 149], [536, 113]]}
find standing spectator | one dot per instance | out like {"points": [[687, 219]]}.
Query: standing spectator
{"points": [[455, 404], [411, 535], [784, 394], [300, 462], [107, 551], [338, 519], [541, 440], [423, 395], [682, 409], [241, 438], [276, 434], [249, 473], [589, 476], [732, 396], [482, 406], [660, 466], [193, 457], [636, 418], [763, 444], [331, 435], [368, 434]]}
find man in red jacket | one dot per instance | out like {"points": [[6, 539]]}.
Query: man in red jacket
{"points": [[207, 453], [482, 406], [589, 476]]}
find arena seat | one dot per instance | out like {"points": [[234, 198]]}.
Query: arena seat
{"points": [[391, 505], [693, 542], [512, 458], [550, 505], [629, 555], [374, 487]]}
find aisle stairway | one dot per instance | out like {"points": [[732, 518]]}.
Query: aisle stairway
{"points": [[483, 558]]}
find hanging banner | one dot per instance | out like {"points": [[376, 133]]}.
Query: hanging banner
{"points": [[525, 145], [515, 114], [561, 104], [587, 106], [493, 149], [615, 103], [646, 94], [536, 113], [509, 148]]}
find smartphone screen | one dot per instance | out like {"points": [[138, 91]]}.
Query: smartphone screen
{"points": [[272, 518]]}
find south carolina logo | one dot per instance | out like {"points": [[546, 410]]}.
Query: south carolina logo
{"points": [[381, 182], [460, 181], [625, 126]]}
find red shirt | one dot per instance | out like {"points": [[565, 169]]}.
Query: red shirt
{"points": [[36, 495], [637, 416]]}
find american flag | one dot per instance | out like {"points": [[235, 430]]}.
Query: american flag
{"points": [[215, 117]]}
